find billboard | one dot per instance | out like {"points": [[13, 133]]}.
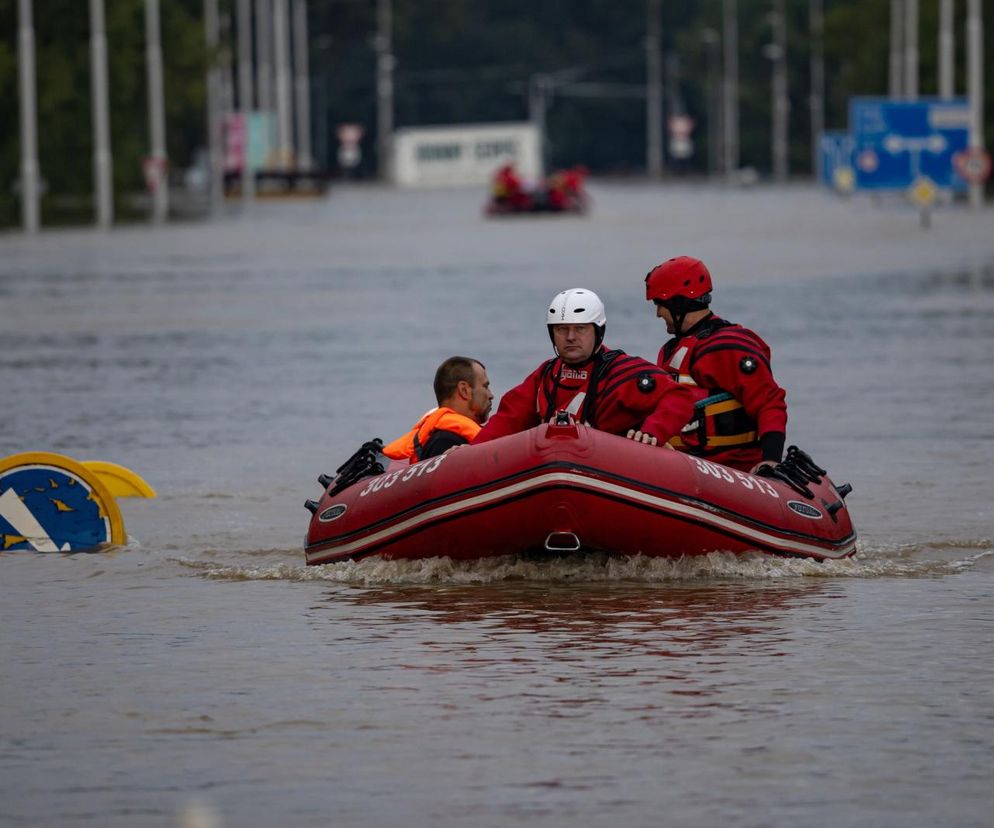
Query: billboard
{"points": [[247, 138], [466, 154], [899, 143]]}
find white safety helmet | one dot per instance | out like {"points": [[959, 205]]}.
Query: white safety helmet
{"points": [[577, 306]]}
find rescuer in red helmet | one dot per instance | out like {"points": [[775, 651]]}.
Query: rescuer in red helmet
{"points": [[740, 413]]}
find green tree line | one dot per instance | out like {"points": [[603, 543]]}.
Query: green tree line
{"points": [[458, 61]]}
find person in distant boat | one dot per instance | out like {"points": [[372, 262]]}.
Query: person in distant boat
{"points": [[462, 389], [608, 390], [740, 412], [565, 189], [508, 191]]}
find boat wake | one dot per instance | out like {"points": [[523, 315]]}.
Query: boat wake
{"points": [[908, 561]]}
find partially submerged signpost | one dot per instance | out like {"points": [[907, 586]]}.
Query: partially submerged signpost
{"points": [[917, 148]]}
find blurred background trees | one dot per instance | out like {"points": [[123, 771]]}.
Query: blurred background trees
{"points": [[461, 61]]}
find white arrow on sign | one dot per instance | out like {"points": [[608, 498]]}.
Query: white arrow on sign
{"points": [[934, 143], [19, 516]]}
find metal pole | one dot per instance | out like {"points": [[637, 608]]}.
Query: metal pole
{"points": [[156, 112], [102, 164], [29, 118], [947, 47], [245, 94], [264, 54], [711, 39], [895, 86], [781, 103], [384, 88], [911, 50], [975, 87], [539, 87], [215, 162], [731, 86], [226, 63], [302, 85], [322, 44], [817, 22], [654, 93], [281, 39]]}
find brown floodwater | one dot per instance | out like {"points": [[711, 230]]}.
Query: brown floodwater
{"points": [[229, 364]]}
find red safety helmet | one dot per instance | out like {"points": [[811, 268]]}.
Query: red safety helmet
{"points": [[683, 276]]}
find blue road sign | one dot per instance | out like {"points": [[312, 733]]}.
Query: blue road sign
{"points": [[897, 143], [49, 509]]}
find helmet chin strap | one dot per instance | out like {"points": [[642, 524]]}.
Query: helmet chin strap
{"points": [[679, 307]]}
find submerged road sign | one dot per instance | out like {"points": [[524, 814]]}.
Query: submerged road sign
{"points": [[52, 503], [896, 143], [836, 161], [973, 164]]}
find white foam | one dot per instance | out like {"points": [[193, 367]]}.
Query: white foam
{"points": [[593, 568]]}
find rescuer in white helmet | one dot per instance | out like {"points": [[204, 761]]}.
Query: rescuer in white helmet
{"points": [[608, 390]]}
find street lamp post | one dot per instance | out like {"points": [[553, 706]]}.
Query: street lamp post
{"points": [[947, 47], [158, 176], [102, 162], [654, 93], [302, 86], [895, 87], [711, 39], [281, 39], [975, 88], [29, 118], [816, 15], [781, 103], [730, 97], [384, 88], [911, 50], [215, 163], [245, 96]]}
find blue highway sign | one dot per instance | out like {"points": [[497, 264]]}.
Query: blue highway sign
{"points": [[896, 143]]}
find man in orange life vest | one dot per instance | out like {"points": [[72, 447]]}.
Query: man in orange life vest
{"points": [[740, 413], [462, 390], [608, 390]]}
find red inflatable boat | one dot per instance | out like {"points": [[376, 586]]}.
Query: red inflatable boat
{"points": [[564, 488]]}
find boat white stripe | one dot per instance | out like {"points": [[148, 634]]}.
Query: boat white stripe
{"points": [[583, 481]]}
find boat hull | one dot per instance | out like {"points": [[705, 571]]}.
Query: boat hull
{"points": [[571, 488]]}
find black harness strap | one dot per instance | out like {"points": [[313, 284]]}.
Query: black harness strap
{"points": [[702, 330], [711, 349], [626, 373], [602, 363]]}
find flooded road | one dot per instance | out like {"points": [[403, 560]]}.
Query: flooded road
{"points": [[229, 364]]}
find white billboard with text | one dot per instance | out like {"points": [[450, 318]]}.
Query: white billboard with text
{"points": [[467, 154]]}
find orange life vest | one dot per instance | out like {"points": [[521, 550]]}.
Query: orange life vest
{"points": [[413, 443]]}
